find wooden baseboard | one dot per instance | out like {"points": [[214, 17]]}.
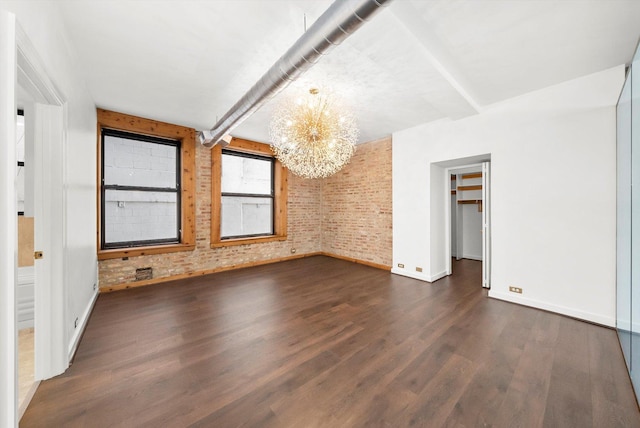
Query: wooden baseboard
{"points": [[233, 267], [202, 272], [361, 262]]}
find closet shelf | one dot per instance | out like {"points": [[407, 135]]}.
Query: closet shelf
{"points": [[472, 175], [475, 187]]}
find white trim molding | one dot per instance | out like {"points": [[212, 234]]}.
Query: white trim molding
{"points": [[563, 310], [75, 340], [8, 223], [418, 275]]}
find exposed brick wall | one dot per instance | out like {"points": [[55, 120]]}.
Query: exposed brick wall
{"points": [[348, 214], [357, 205], [303, 234]]}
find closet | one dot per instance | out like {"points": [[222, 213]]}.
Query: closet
{"points": [[466, 214]]}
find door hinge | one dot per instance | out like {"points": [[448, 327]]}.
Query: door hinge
{"points": [[37, 255]]}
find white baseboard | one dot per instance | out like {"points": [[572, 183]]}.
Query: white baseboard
{"points": [[467, 256], [82, 324], [25, 298], [587, 316], [635, 327], [437, 276], [25, 312], [418, 275]]}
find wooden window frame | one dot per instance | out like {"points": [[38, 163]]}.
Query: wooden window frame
{"points": [[280, 184], [137, 125]]}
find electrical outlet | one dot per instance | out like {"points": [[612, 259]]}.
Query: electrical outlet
{"points": [[515, 290], [400, 265], [75, 323], [95, 285], [418, 269]]}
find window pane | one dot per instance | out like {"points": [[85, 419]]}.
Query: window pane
{"points": [[246, 175], [243, 216], [140, 216], [130, 162]]}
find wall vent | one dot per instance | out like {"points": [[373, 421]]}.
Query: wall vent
{"points": [[144, 273]]}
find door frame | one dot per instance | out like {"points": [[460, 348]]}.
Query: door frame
{"points": [[22, 65], [8, 224], [50, 118]]}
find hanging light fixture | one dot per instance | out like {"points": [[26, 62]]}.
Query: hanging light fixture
{"points": [[313, 135]]}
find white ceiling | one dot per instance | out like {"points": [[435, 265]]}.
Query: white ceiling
{"points": [[188, 62]]}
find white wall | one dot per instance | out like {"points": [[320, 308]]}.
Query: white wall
{"points": [[471, 220], [43, 26], [553, 194]]}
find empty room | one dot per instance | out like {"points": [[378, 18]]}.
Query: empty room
{"points": [[319, 213]]}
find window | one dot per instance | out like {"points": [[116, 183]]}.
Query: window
{"points": [[249, 191], [247, 195], [140, 190], [145, 186]]}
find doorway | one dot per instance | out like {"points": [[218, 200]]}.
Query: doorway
{"points": [[22, 74], [467, 213]]}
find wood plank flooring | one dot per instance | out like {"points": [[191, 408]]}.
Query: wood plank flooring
{"points": [[320, 342]]}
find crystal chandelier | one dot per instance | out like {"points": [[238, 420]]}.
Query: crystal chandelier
{"points": [[313, 136]]}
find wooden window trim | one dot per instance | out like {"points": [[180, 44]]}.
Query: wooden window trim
{"points": [[280, 200], [187, 138]]}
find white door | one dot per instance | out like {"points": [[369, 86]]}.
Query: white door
{"points": [[486, 225], [46, 122], [49, 239]]}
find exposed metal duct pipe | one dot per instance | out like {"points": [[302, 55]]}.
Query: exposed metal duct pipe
{"points": [[341, 20]]}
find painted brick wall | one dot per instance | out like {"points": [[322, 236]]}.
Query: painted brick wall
{"points": [[357, 205], [348, 215], [303, 234]]}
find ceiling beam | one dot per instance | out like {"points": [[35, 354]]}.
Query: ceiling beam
{"points": [[436, 52]]}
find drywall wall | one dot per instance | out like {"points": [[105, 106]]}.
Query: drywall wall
{"points": [[471, 232], [553, 194], [43, 27]]}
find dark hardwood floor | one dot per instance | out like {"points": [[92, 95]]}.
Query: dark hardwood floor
{"points": [[320, 342]]}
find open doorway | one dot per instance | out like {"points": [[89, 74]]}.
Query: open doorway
{"points": [[39, 293], [465, 213]]}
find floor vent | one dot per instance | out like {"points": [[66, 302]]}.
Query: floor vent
{"points": [[144, 273]]}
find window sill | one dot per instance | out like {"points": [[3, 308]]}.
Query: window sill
{"points": [[246, 241], [118, 253]]}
